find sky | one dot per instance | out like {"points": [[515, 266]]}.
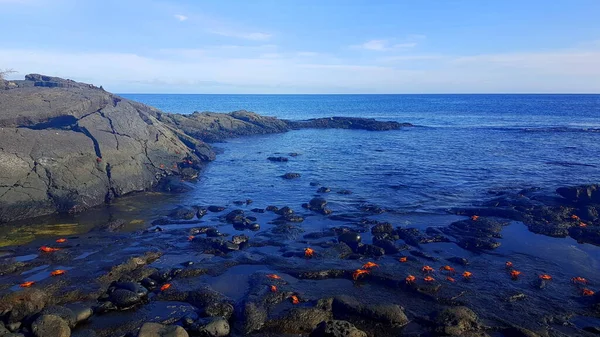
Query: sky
{"points": [[308, 46]]}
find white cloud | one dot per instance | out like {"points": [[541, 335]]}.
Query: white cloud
{"points": [[307, 53], [180, 17], [405, 45], [240, 69], [384, 45], [379, 45], [242, 35]]}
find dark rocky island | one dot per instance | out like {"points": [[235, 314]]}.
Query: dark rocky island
{"points": [[312, 269], [68, 146]]}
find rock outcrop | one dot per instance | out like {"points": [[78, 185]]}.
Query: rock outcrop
{"points": [[66, 146]]}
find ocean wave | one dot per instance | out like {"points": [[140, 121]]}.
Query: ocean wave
{"points": [[568, 164]]}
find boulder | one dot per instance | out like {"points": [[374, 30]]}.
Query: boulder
{"points": [[336, 328], [211, 327], [160, 330], [124, 299], [456, 321], [50, 326]]}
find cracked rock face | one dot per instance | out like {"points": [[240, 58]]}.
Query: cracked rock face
{"points": [[67, 148]]}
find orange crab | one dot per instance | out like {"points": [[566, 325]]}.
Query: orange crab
{"points": [[450, 279], [545, 277], [273, 289], [47, 249], [309, 252], [165, 286], [579, 280], [359, 272], [295, 299], [369, 265], [410, 279], [574, 217], [587, 292], [62, 240], [274, 276], [448, 269], [26, 284], [191, 238], [467, 275], [403, 259], [508, 264], [514, 274], [475, 217], [582, 224], [57, 272], [427, 269], [428, 279]]}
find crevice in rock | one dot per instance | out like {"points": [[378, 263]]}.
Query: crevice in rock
{"points": [[112, 127], [60, 122], [79, 128]]}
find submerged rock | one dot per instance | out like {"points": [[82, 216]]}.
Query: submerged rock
{"points": [[183, 213], [278, 159], [291, 175], [324, 189]]}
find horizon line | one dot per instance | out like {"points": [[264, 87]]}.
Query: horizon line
{"points": [[372, 94]]}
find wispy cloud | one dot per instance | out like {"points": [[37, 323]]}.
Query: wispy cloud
{"points": [[384, 45], [179, 17], [256, 36], [378, 45], [245, 69]]}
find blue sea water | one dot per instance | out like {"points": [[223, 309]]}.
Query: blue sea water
{"points": [[464, 146]]}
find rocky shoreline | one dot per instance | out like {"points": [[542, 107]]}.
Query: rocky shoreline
{"points": [[251, 269], [69, 146], [189, 273]]}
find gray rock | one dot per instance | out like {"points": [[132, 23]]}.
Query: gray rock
{"points": [[3, 330], [456, 321], [83, 146], [66, 314], [159, 330], [211, 327], [50, 326], [82, 312], [132, 286], [337, 328], [124, 298], [386, 313]]}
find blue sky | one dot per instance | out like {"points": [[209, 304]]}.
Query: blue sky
{"points": [[308, 46]]}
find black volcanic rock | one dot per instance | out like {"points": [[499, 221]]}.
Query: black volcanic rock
{"points": [[347, 123]]}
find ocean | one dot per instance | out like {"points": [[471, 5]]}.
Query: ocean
{"points": [[462, 148]]}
